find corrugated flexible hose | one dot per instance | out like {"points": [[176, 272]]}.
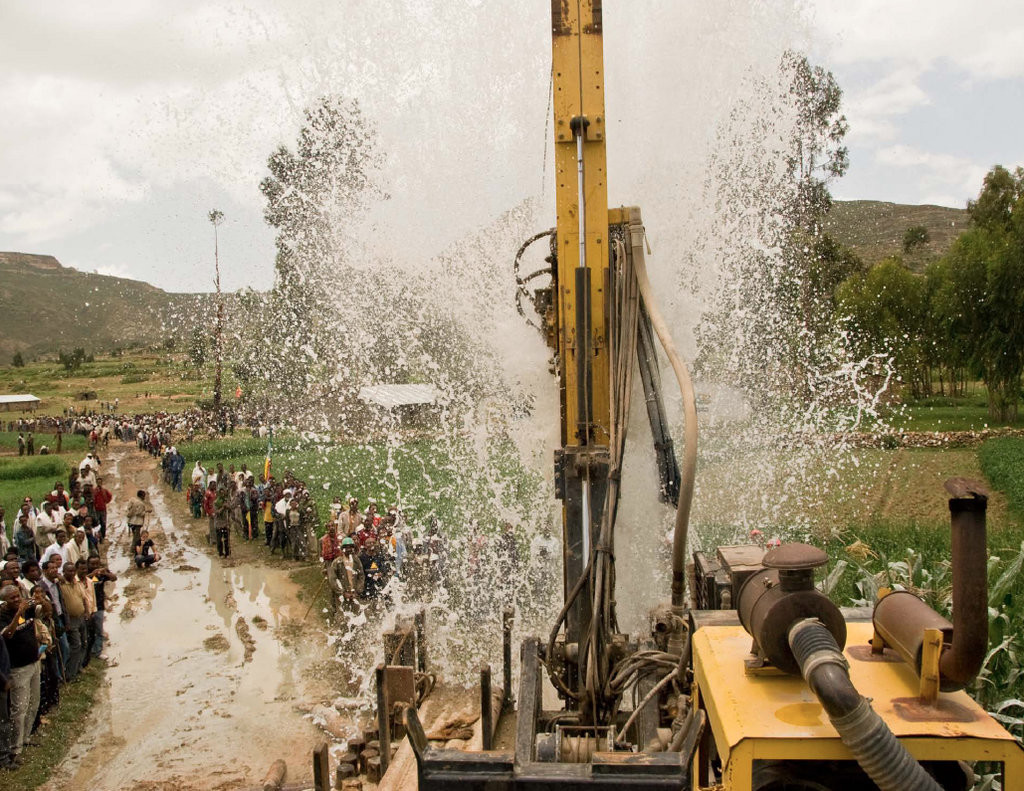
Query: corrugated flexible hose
{"points": [[864, 733]]}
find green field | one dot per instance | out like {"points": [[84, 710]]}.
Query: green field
{"points": [[141, 381], [70, 443], [426, 478], [34, 477]]}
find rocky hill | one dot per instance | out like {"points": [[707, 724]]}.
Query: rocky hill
{"points": [[875, 229], [45, 306]]}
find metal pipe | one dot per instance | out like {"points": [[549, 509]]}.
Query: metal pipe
{"points": [[962, 661], [507, 618], [486, 713], [383, 720]]}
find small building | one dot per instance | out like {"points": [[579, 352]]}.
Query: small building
{"points": [[412, 406], [19, 403]]}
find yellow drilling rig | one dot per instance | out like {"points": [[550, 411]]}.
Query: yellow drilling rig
{"points": [[755, 681]]}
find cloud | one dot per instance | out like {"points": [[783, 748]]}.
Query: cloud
{"points": [[985, 40], [938, 176], [872, 110]]}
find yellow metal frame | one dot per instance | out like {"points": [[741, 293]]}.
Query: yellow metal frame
{"points": [[755, 718], [577, 61]]}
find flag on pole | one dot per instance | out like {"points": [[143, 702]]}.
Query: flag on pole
{"points": [[270, 445]]}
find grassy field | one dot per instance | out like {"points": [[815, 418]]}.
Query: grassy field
{"points": [[940, 413], [33, 477], [142, 382], [70, 443], [427, 478]]}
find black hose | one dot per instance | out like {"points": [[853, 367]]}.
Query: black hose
{"points": [[864, 733]]}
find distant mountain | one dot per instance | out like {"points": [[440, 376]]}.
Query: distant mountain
{"points": [[875, 229], [45, 306]]}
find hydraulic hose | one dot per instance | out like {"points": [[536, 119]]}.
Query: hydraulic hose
{"points": [[864, 733], [689, 468]]}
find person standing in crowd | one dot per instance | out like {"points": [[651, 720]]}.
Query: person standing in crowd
{"points": [[330, 547], [136, 513], [73, 599], [17, 628], [21, 445], [99, 576], [101, 498], [51, 584], [209, 508], [375, 569], [350, 520], [30, 444], [199, 475], [46, 527], [222, 514], [25, 540], [346, 578], [177, 466]]}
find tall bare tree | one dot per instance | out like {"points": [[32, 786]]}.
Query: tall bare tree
{"points": [[216, 217]]}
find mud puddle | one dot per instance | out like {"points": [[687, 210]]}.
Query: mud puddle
{"points": [[211, 669]]}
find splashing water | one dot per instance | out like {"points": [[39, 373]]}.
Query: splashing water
{"points": [[415, 284]]}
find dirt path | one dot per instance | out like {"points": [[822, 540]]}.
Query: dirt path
{"points": [[212, 667]]}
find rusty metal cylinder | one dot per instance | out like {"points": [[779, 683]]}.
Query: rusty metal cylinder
{"points": [[900, 619], [773, 599], [767, 610]]}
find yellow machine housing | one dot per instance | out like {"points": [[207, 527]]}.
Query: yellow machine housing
{"points": [[756, 718]]}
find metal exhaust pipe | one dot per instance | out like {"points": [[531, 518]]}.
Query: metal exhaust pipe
{"points": [[901, 617], [961, 662]]}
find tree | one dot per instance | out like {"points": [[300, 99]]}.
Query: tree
{"points": [[73, 361], [817, 155], [986, 297], [216, 218], [915, 236], [886, 310], [18, 361], [316, 198], [197, 348], [770, 321]]}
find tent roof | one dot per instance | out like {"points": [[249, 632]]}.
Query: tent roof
{"points": [[390, 396], [18, 399]]}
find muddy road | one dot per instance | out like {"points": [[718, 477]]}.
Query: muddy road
{"points": [[212, 667]]}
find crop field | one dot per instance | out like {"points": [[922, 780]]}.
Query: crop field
{"points": [[33, 476], [142, 382]]}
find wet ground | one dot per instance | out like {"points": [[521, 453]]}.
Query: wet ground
{"points": [[213, 664]]}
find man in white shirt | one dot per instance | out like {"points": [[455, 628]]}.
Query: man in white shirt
{"points": [[87, 476], [59, 548], [46, 526]]}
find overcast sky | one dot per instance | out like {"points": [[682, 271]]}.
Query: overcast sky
{"points": [[125, 122]]}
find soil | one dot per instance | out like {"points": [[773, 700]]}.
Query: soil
{"points": [[195, 700]]}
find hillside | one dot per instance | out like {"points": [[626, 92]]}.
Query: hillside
{"points": [[874, 229], [45, 306]]}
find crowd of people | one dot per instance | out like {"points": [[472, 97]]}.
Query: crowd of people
{"points": [[53, 591]]}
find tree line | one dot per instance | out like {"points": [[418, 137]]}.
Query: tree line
{"points": [[963, 316]]}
